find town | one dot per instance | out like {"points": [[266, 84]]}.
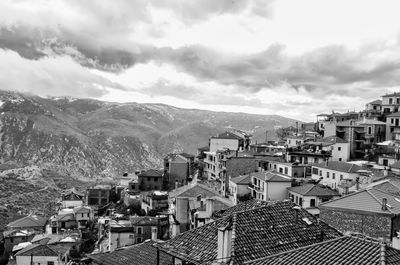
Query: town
{"points": [[328, 192]]}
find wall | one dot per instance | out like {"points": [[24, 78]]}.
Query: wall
{"points": [[276, 191], [369, 224], [333, 183], [8, 246], [221, 144], [330, 129], [125, 239], [178, 171], [24, 260], [150, 183], [71, 204], [342, 155]]}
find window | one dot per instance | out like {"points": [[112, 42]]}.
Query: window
{"points": [[139, 240], [327, 174], [50, 263], [340, 159], [390, 101], [320, 173], [333, 175], [139, 230], [131, 236], [341, 177], [82, 215], [391, 120], [148, 179], [301, 201], [286, 170], [312, 203], [339, 148], [280, 170], [369, 130]]}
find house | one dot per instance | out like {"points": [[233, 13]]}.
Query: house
{"points": [[247, 235], [392, 125], [84, 215], [375, 105], [99, 195], [239, 188], [203, 214], [141, 254], [31, 223], [350, 249], [120, 234], [308, 156], [133, 184], [295, 140], [309, 196], [151, 180], [42, 254], [63, 220], [267, 186], [155, 201], [372, 212], [178, 169], [386, 160], [149, 227], [71, 198], [12, 238], [336, 146], [279, 165], [335, 173], [391, 102]]}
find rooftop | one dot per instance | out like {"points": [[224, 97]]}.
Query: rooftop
{"points": [[28, 221], [245, 179], [375, 102], [193, 190], [269, 176], [314, 190], [339, 166], [244, 206], [395, 94], [151, 173], [227, 135], [43, 250], [366, 201], [351, 249], [256, 233]]}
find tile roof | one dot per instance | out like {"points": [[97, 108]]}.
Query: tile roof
{"points": [[391, 95], [339, 166], [269, 176], [186, 155], [333, 139], [370, 121], [193, 190], [244, 179], [367, 201], [28, 221], [343, 250], [256, 233], [42, 250], [151, 173], [140, 254], [244, 206], [388, 186], [314, 190], [375, 102], [227, 135]]}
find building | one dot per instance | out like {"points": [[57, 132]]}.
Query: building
{"points": [[84, 215], [392, 125], [351, 249], [338, 148], [334, 174], [239, 188], [42, 254], [309, 196], [72, 198], [294, 140], [120, 234], [141, 254], [279, 165], [247, 235], [155, 201], [149, 227], [307, 156], [391, 102], [99, 195], [268, 186], [151, 180], [62, 221], [178, 169], [375, 105], [371, 212], [12, 238], [30, 223]]}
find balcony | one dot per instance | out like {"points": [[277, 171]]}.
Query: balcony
{"points": [[256, 188]]}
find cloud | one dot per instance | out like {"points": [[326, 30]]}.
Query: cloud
{"points": [[55, 76]]}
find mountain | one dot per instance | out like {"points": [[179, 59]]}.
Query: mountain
{"points": [[89, 138]]}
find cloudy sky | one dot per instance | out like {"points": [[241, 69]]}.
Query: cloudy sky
{"points": [[285, 57]]}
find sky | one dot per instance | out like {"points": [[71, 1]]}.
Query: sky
{"points": [[291, 58]]}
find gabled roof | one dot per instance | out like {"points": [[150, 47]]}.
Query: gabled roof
{"points": [[244, 206], [314, 190], [269, 176], [151, 173], [395, 94], [342, 250], [227, 135], [339, 166], [366, 201], [193, 190], [389, 185], [333, 139], [375, 102], [186, 155], [42, 250], [82, 209], [139, 254], [242, 180], [371, 122], [28, 221], [256, 233]]}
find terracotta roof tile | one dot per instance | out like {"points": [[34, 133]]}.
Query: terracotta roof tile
{"points": [[140, 254], [257, 233], [314, 190], [245, 179], [342, 250], [271, 176], [193, 190], [28, 221], [339, 166], [151, 173]]}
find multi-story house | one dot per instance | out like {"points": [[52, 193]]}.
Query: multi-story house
{"points": [[178, 169], [279, 165], [99, 195], [335, 173], [267, 186], [71, 198], [220, 146], [391, 102], [338, 148], [84, 215], [151, 179], [155, 201], [309, 196], [239, 188]]}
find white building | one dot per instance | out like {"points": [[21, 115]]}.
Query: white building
{"points": [[239, 187], [269, 186], [120, 234], [335, 173], [41, 254]]}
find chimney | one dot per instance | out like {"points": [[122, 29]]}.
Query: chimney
{"points": [[224, 243], [236, 153], [176, 184], [182, 211], [209, 207], [153, 233], [383, 253], [176, 229], [296, 213], [384, 204], [326, 162], [357, 183], [385, 172]]}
